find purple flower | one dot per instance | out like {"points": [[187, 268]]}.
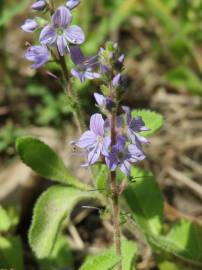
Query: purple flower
{"points": [[30, 25], [60, 32], [135, 125], [85, 67], [39, 5], [123, 156], [37, 54], [94, 140], [117, 80], [103, 101], [72, 4]]}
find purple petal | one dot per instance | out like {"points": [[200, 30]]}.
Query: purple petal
{"points": [[62, 17], [48, 35], [136, 153], [120, 143], [116, 80], [87, 140], [94, 154], [97, 124], [76, 55], [128, 113], [37, 54], [78, 75], [125, 167], [39, 5], [137, 125], [61, 44], [29, 26], [105, 146], [119, 122], [100, 99], [111, 161], [72, 4], [91, 75], [121, 58], [74, 34]]}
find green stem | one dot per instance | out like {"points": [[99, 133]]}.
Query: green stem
{"points": [[78, 115]]}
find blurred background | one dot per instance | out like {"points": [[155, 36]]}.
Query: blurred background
{"points": [[162, 41]]}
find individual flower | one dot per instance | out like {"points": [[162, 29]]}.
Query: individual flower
{"points": [[39, 5], [103, 101], [37, 54], [60, 32], [85, 67], [30, 25], [71, 4], [123, 156], [117, 80], [94, 140], [135, 126]]}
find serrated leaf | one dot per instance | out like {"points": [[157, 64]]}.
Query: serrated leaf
{"points": [[183, 241], [144, 198], [153, 121], [108, 259], [11, 253], [43, 160], [52, 207]]}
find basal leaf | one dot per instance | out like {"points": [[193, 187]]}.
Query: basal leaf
{"points": [[145, 201], [11, 253], [108, 259], [43, 160], [153, 121], [183, 241], [54, 205], [61, 256]]}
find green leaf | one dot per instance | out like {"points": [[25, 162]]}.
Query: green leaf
{"points": [[5, 222], [61, 256], [145, 200], [183, 241], [43, 160], [9, 218], [52, 207], [102, 179], [153, 121], [108, 259], [185, 78], [11, 253]]}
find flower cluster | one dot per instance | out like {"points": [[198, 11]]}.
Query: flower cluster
{"points": [[56, 33], [127, 148]]}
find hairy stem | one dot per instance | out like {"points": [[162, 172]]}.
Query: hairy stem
{"points": [[115, 198], [78, 115]]}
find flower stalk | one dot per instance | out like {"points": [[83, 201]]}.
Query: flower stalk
{"points": [[115, 197]]}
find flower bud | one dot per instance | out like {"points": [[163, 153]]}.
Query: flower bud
{"points": [[71, 4], [39, 5], [29, 25]]}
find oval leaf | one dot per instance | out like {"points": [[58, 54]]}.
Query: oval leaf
{"points": [[139, 194], [54, 205], [183, 241], [108, 259], [43, 160], [153, 121]]}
